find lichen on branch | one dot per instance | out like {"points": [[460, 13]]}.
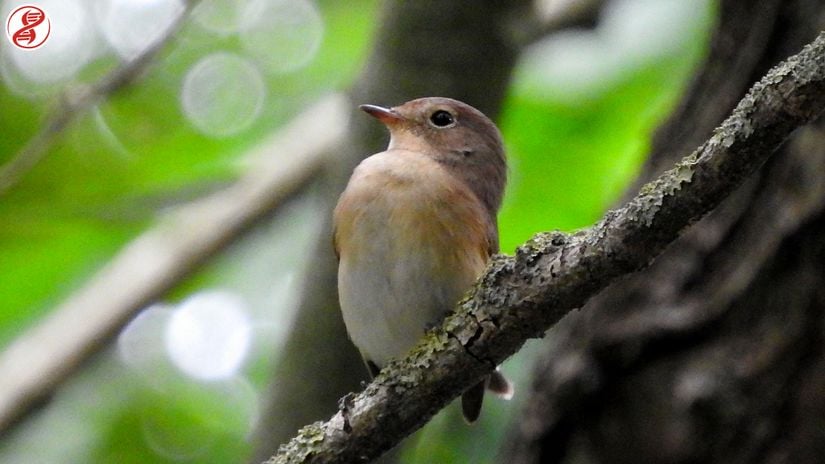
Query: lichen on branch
{"points": [[521, 296]]}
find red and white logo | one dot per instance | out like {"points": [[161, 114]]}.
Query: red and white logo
{"points": [[28, 27]]}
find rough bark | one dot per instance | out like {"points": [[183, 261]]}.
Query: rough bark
{"points": [[716, 352], [520, 297]]}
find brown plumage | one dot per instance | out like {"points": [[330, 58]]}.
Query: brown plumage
{"points": [[416, 226]]}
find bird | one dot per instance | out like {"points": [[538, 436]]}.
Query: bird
{"points": [[416, 226]]}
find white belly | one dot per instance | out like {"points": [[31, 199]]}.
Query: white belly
{"points": [[409, 249], [387, 304]]}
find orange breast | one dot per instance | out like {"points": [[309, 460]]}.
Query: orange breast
{"points": [[411, 241], [419, 206]]}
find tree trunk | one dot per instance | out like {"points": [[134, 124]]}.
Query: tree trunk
{"points": [[425, 48], [716, 353]]}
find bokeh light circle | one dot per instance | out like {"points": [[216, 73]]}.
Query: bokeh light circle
{"points": [[281, 35], [139, 343], [221, 17], [209, 335], [72, 44], [223, 94], [132, 26]]}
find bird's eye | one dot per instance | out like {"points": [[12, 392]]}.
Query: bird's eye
{"points": [[442, 118]]}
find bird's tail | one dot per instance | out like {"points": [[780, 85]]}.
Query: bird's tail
{"points": [[472, 399]]}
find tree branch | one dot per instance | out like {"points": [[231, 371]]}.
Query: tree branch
{"points": [[433, 47], [77, 99], [41, 358], [520, 297]]}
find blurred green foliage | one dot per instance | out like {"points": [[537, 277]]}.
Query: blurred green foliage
{"points": [[575, 159], [65, 219], [116, 168]]}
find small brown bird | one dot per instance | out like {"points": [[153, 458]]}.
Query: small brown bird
{"points": [[416, 227]]}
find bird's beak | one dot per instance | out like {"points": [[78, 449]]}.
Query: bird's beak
{"points": [[386, 115]]}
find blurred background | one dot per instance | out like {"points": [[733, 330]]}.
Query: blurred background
{"points": [[185, 378]]}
